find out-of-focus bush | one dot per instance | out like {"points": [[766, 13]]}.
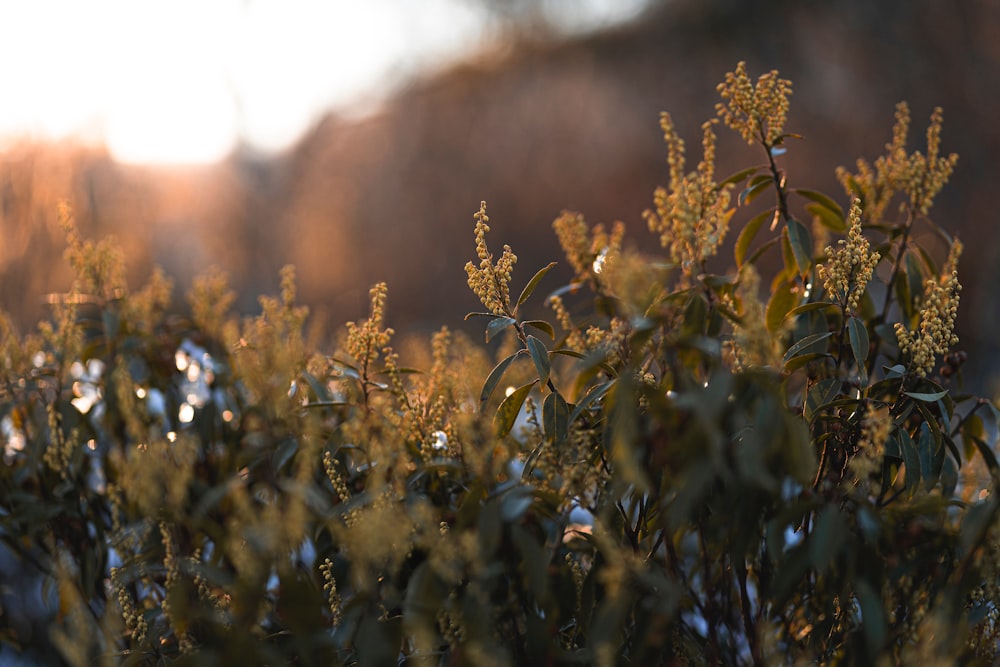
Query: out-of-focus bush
{"points": [[772, 464]]}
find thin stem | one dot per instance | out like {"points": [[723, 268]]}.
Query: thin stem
{"points": [[748, 622], [897, 263], [778, 177]]}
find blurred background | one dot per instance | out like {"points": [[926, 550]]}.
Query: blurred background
{"points": [[356, 139]]}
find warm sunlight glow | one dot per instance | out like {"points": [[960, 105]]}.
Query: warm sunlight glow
{"points": [[184, 81]]}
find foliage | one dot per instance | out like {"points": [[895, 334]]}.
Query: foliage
{"points": [[674, 471]]}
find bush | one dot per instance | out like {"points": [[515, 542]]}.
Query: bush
{"points": [[673, 471]]}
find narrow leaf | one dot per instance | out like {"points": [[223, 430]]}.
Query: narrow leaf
{"points": [[532, 284], [911, 459], [495, 375], [914, 279], [897, 371], [858, 334], [927, 398], [539, 355], [555, 417], [497, 325], [593, 395], [929, 264], [506, 415], [798, 235], [822, 200], [762, 249], [989, 456], [804, 359], [739, 176], [873, 617], [925, 449], [804, 345], [788, 255], [828, 218], [809, 307], [542, 326], [827, 537], [750, 193], [748, 233], [782, 300], [825, 391]]}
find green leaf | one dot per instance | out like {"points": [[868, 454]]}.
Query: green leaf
{"points": [[873, 616], [319, 389], [798, 235], [929, 264], [949, 477], [593, 395], [764, 247], [495, 375], [542, 326], [539, 355], [555, 417], [497, 325], [827, 218], [283, 453], [757, 185], [788, 255], [929, 468], [858, 334], [823, 392], [695, 316], [803, 346], [809, 307], [911, 459], [892, 372], [782, 300], [424, 595], [976, 522], [748, 233], [739, 176], [914, 280], [989, 456], [827, 537], [503, 420], [821, 199], [927, 398], [532, 284]]}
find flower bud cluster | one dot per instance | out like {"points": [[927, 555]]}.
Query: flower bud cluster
{"points": [[692, 217], [365, 341], [336, 479], [917, 175], [59, 451], [489, 282], [173, 573], [925, 175], [756, 112], [936, 330], [135, 621], [588, 251], [330, 588], [848, 269]]}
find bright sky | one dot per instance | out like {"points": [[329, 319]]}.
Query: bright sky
{"points": [[183, 80]]}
